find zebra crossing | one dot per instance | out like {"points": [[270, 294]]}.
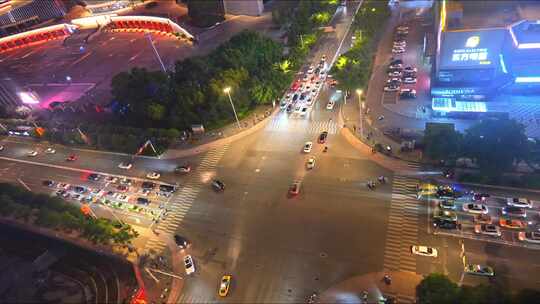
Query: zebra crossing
{"points": [[402, 225], [283, 124], [414, 165], [181, 203]]}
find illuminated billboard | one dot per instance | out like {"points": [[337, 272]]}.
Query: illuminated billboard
{"points": [[472, 49]]}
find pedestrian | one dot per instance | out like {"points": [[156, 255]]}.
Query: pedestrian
{"points": [[354, 128]]}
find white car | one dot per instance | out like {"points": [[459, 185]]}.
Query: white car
{"points": [[409, 80], [307, 147], [309, 102], [410, 69], [303, 112], [475, 208], [519, 202], [125, 165], [153, 175], [394, 80], [32, 153], [1, 148], [487, 229], [50, 151], [397, 50], [395, 74], [531, 237], [391, 88], [424, 251], [310, 163], [400, 44], [310, 70], [123, 198], [190, 266], [330, 105], [97, 192]]}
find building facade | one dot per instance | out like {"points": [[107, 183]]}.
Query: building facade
{"points": [[27, 15]]}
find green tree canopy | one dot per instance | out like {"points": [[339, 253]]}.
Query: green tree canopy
{"points": [[436, 288], [496, 145], [441, 142]]}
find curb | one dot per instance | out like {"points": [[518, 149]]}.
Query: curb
{"points": [[220, 142], [382, 160]]}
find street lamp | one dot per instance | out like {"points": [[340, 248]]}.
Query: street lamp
{"points": [[227, 90], [360, 92]]}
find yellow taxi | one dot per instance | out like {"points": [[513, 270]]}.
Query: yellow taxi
{"points": [[224, 285]]}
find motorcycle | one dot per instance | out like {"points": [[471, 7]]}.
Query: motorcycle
{"points": [[325, 149]]}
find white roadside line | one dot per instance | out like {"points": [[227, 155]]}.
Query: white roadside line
{"points": [[11, 140], [28, 162]]}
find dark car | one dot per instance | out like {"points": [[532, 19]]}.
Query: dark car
{"points": [[218, 185], [94, 177], [289, 108], [445, 192], [480, 196], [148, 185], [514, 211], [181, 242], [406, 94], [48, 183], [396, 61], [444, 223], [322, 137], [143, 201], [79, 189], [167, 188]]}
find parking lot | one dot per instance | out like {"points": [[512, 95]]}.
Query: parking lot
{"points": [[486, 218], [123, 195]]}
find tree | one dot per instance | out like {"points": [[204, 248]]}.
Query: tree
{"points": [[496, 145], [436, 288], [441, 141], [155, 111], [526, 296], [480, 294]]}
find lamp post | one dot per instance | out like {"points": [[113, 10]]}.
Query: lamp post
{"points": [[359, 92], [228, 91]]}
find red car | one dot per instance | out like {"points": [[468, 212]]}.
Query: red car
{"points": [[294, 189], [72, 157], [122, 188]]}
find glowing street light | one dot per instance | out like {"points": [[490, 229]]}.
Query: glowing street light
{"points": [[227, 90], [360, 92]]}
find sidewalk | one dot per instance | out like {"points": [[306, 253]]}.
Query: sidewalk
{"points": [[402, 288], [350, 114], [255, 121]]}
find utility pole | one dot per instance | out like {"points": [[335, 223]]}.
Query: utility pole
{"points": [[228, 91], [359, 92]]}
